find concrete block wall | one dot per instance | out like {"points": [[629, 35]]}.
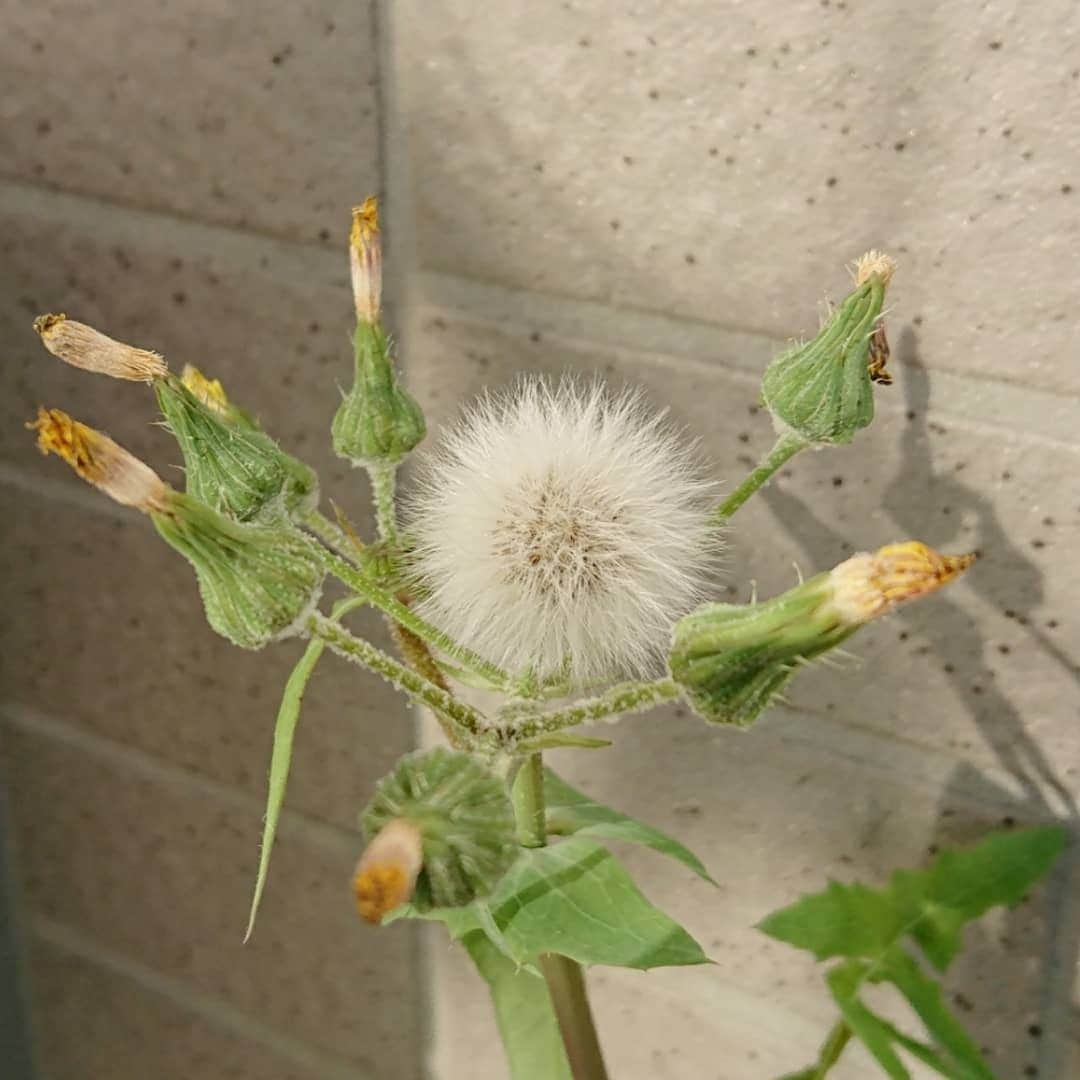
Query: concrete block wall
{"points": [[656, 193], [181, 176]]}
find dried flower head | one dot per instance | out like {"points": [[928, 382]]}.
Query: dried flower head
{"points": [[84, 347], [560, 529], [365, 260], [100, 461], [386, 874]]}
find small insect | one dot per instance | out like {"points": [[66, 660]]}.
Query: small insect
{"points": [[879, 356]]}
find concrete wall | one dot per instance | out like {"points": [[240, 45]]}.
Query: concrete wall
{"points": [[661, 193]]}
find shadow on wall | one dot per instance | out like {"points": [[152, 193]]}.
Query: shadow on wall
{"points": [[1004, 578]]}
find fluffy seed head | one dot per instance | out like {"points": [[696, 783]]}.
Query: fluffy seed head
{"points": [[562, 530]]}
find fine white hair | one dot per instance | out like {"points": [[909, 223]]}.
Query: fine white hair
{"points": [[561, 529]]}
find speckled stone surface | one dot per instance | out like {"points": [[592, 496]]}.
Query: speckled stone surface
{"points": [[78, 1004], [239, 114], [720, 161], [160, 874], [958, 717]]}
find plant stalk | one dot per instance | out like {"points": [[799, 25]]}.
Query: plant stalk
{"points": [[383, 490], [564, 977], [785, 448], [831, 1050], [378, 596], [465, 718]]}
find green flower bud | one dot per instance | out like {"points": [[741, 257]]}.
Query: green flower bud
{"points": [[230, 464], [734, 659], [259, 583], [378, 421], [823, 390], [464, 818]]}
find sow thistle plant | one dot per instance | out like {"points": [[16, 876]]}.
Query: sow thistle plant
{"points": [[556, 550]]}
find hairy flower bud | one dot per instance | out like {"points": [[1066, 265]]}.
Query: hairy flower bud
{"points": [[378, 421], [259, 583], [84, 347], [733, 659], [465, 822], [231, 465], [823, 390]]}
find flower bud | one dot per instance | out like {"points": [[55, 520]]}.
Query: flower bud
{"points": [[822, 390], [464, 819], [733, 659], [386, 874], [84, 347], [259, 583], [378, 421], [232, 466]]}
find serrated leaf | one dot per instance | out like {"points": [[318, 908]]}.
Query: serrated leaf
{"points": [[844, 920], [924, 996], [575, 898], [866, 927], [569, 812], [523, 1011], [844, 981]]}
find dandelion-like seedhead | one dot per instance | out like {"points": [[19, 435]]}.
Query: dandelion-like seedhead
{"points": [[562, 529]]}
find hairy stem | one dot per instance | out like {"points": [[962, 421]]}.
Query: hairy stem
{"points": [[383, 491], [831, 1050], [624, 698], [564, 977], [466, 720], [402, 614], [331, 534], [785, 448]]}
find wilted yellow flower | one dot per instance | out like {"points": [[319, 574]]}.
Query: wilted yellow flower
{"points": [[84, 347], [365, 260], [100, 461], [386, 874]]}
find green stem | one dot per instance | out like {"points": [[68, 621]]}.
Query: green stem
{"points": [[564, 978], [383, 490], [404, 615], [465, 718], [625, 698], [831, 1050], [330, 533], [785, 448]]}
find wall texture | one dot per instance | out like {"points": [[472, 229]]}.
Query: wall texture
{"points": [[660, 193]]}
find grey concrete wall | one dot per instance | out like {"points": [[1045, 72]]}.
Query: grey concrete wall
{"points": [[659, 193], [662, 193], [181, 176]]}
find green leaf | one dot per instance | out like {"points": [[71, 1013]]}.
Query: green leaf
{"points": [[523, 1011], [571, 812], [556, 740], [574, 898], [867, 926], [284, 730], [924, 996], [844, 981]]}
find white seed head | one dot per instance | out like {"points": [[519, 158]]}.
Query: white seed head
{"points": [[561, 529]]}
